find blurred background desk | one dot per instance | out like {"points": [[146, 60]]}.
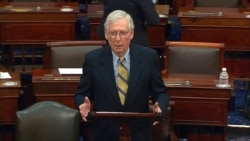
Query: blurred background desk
{"points": [[27, 26], [156, 33], [232, 28], [201, 104], [50, 85], [200, 107], [9, 94]]}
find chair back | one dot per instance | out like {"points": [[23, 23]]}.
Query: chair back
{"points": [[69, 54], [194, 57], [47, 121]]}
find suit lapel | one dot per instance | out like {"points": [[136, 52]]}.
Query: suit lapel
{"points": [[107, 71], [135, 63], [106, 63]]}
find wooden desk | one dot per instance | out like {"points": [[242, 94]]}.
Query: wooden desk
{"points": [[203, 96], [9, 95], [36, 22], [50, 85], [156, 33], [25, 27], [202, 103], [231, 28], [178, 4]]}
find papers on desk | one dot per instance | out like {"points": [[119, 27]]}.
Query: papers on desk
{"points": [[5, 75], [70, 71]]}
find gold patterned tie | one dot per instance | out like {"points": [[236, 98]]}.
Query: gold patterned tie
{"points": [[122, 80]]}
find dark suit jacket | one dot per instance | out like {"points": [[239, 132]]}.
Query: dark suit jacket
{"points": [[98, 83], [142, 11]]}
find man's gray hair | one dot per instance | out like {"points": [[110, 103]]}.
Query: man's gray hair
{"points": [[116, 15]]}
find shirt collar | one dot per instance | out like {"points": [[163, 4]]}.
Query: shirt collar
{"points": [[126, 56]]}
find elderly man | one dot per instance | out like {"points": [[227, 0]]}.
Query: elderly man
{"points": [[121, 77]]}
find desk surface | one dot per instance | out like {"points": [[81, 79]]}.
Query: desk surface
{"points": [[215, 9], [6, 84], [220, 17], [196, 80], [6, 5], [52, 76]]}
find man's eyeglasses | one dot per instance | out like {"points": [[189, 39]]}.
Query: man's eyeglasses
{"points": [[122, 34]]}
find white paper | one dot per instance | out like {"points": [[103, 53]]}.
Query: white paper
{"points": [[5, 75], [70, 71]]}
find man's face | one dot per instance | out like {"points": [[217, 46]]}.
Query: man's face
{"points": [[119, 36]]}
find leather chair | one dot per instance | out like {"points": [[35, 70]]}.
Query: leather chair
{"points": [[69, 54], [47, 121], [194, 57]]}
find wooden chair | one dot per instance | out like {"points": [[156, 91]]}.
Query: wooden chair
{"points": [[47, 121], [69, 54], [194, 57]]}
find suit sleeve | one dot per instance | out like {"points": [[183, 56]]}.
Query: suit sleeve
{"points": [[148, 9], [85, 85], [158, 89]]}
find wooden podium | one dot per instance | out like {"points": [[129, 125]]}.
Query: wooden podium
{"points": [[160, 132], [124, 117]]}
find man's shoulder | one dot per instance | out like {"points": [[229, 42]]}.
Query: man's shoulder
{"points": [[97, 51], [141, 48]]}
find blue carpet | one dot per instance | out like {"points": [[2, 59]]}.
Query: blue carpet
{"points": [[237, 115]]}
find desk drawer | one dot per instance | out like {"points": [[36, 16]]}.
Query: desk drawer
{"points": [[200, 111], [66, 99], [55, 88], [7, 114], [27, 32]]}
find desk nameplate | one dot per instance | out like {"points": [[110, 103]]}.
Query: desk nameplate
{"points": [[65, 78]]}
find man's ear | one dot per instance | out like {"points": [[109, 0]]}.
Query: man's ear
{"points": [[132, 34], [106, 35]]}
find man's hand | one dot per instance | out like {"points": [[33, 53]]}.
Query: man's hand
{"points": [[85, 108], [156, 110]]}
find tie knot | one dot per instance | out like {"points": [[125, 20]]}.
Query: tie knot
{"points": [[121, 59]]}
